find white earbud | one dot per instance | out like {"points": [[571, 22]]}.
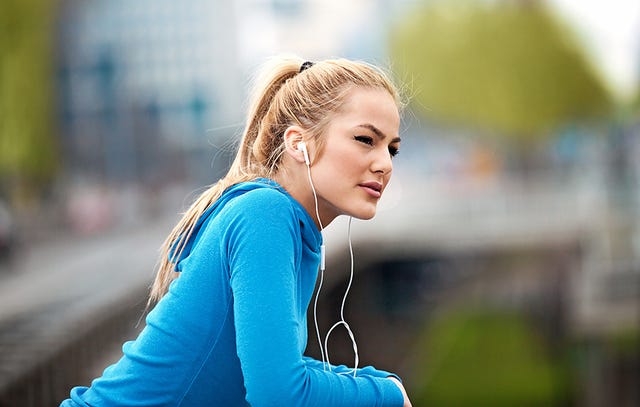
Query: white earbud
{"points": [[303, 147]]}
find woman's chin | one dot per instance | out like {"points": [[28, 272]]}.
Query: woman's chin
{"points": [[364, 214]]}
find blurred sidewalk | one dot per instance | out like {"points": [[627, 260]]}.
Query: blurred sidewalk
{"points": [[85, 271]]}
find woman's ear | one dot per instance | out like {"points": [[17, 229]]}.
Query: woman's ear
{"points": [[294, 143]]}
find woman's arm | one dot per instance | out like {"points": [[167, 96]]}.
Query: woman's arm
{"points": [[365, 371], [268, 321]]}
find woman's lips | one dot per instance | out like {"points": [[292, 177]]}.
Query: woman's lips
{"points": [[372, 188]]}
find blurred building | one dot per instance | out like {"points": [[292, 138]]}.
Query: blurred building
{"points": [[146, 89], [153, 91]]}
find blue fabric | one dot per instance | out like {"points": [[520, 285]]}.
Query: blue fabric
{"points": [[232, 329]]}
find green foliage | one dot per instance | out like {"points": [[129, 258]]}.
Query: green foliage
{"points": [[635, 104], [485, 359], [625, 342], [27, 146], [507, 67]]}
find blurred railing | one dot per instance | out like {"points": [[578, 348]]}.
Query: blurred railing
{"points": [[43, 356], [67, 307]]}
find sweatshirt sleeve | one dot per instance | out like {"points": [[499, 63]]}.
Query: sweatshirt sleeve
{"points": [[261, 247], [343, 369]]}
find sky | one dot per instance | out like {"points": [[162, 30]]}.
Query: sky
{"points": [[610, 30]]}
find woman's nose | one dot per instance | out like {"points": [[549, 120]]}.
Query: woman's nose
{"points": [[382, 162]]}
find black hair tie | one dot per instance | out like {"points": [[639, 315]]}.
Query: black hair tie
{"points": [[306, 65]]}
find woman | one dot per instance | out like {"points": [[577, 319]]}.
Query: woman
{"points": [[238, 272]]}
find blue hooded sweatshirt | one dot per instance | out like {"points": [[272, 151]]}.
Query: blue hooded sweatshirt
{"points": [[232, 329]]}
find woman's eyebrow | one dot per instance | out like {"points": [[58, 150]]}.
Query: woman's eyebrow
{"points": [[377, 132]]}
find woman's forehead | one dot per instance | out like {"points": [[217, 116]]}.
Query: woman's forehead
{"points": [[372, 106]]}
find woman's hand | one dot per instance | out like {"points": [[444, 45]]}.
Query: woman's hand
{"points": [[407, 403]]}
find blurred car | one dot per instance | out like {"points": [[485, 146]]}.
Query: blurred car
{"points": [[7, 232]]}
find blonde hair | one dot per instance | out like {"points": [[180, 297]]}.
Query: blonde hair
{"points": [[282, 96]]}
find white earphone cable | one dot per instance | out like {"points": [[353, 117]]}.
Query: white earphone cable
{"points": [[322, 266], [342, 319]]}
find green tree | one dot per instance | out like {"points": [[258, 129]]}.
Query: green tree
{"points": [[28, 158], [508, 67]]}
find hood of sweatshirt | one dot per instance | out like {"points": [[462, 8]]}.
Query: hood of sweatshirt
{"points": [[311, 236]]}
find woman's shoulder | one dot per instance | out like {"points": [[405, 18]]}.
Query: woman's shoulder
{"points": [[245, 207], [259, 197]]}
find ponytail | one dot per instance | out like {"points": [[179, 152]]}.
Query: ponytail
{"points": [[245, 167]]}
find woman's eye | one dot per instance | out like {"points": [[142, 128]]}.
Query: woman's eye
{"points": [[364, 139], [393, 151]]}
